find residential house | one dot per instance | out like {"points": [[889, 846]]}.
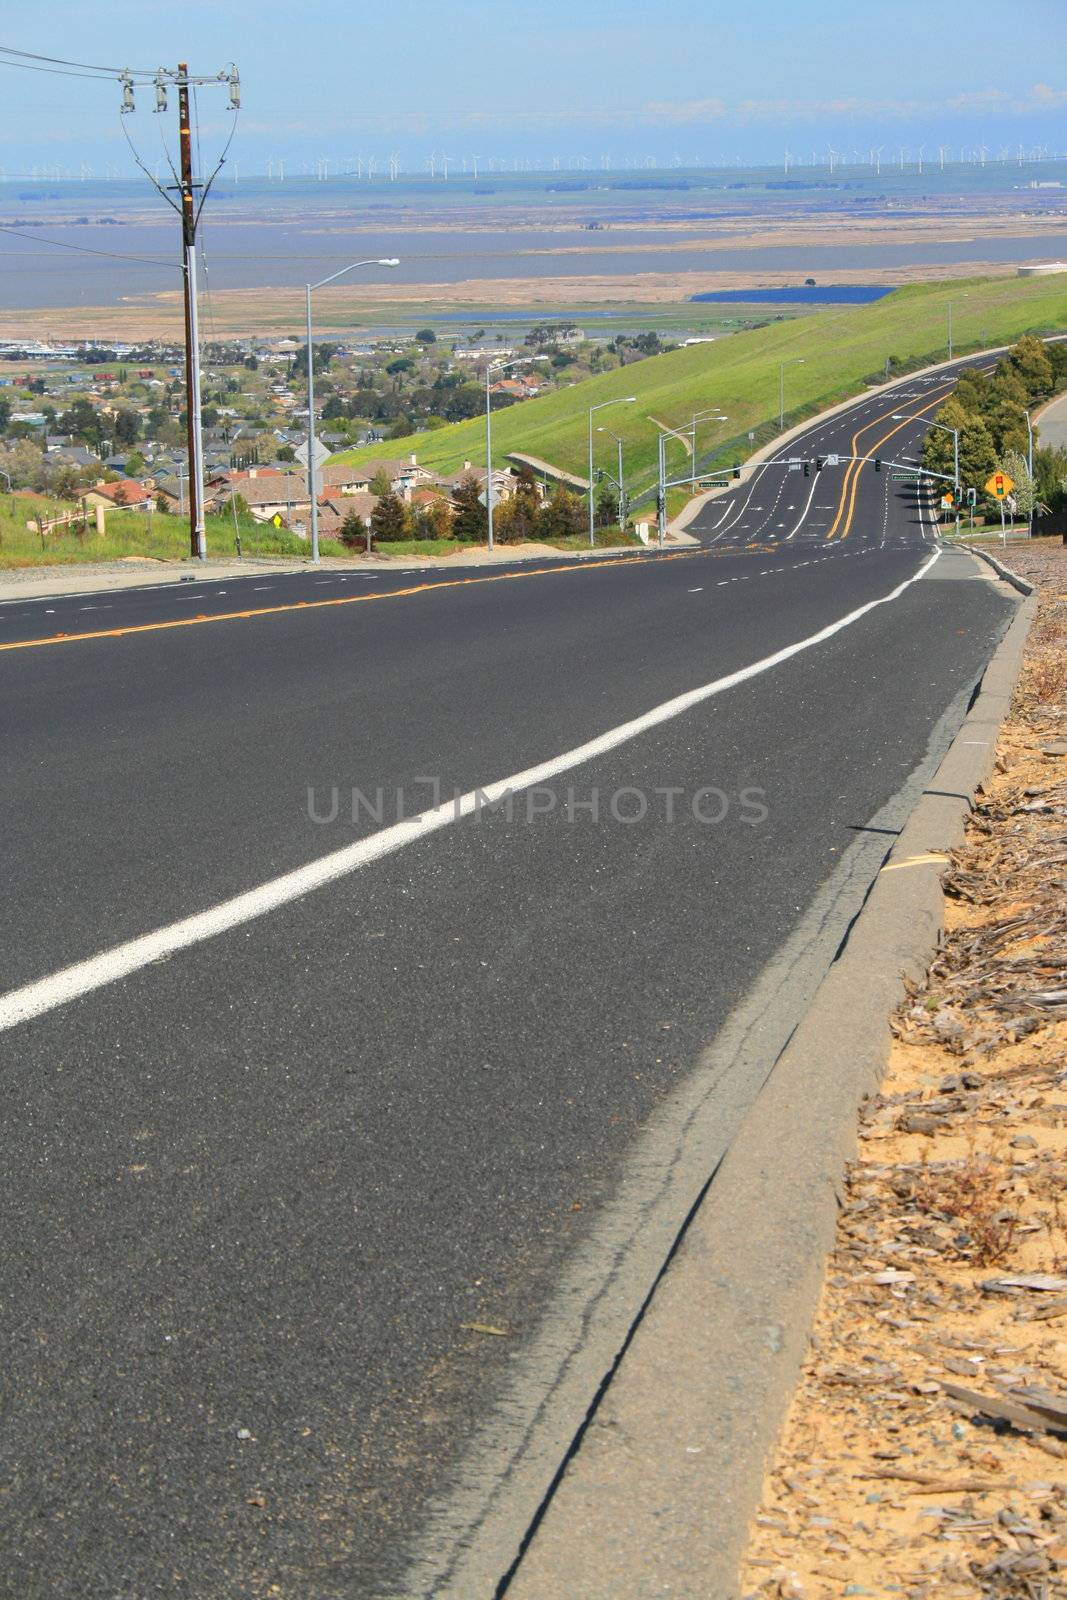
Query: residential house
{"points": [[335, 509], [124, 493], [266, 497]]}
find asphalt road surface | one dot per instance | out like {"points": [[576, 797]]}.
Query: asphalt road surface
{"points": [[288, 1193]]}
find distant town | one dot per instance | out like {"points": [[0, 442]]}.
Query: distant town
{"points": [[105, 425]]}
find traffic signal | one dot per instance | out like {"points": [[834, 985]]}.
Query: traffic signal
{"points": [[737, 469], [807, 469], [877, 463], [820, 462]]}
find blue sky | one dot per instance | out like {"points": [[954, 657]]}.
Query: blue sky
{"points": [[692, 81]]}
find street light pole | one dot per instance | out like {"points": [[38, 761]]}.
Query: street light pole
{"points": [[713, 414], [385, 261], [622, 492], [624, 400]]}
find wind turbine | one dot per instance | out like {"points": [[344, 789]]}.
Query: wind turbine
{"points": [[922, 147]]}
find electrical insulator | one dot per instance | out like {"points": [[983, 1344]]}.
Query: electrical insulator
{"points": [[161, 92], [235, 90], [127, 94]]}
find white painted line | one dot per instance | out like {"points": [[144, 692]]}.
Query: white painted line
{"points": [[694, 591], [59, 988]]}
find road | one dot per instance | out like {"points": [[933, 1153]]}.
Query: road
{"points": [[314, 1112]]}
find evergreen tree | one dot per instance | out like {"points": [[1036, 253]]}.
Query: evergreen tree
{"points": [[471, 520], [563, 515], [389, 519], [353, 532]]}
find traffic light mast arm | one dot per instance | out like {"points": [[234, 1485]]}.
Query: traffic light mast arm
{"points": [[885, 461]]}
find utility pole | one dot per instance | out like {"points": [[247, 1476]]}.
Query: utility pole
{"points": [[197, 541]]}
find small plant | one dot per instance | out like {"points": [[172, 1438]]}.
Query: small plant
{"points": [[970, 1193]]}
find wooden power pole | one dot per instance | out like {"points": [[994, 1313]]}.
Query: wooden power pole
{"points": [[197, 541]]}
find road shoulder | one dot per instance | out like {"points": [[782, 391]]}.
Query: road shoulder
{"points": [[657, 1497]]}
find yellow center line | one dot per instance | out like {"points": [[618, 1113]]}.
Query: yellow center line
{"points": [[851, 479], [203, 618]]}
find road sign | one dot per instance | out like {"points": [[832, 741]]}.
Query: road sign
{"points": [[321, 453], [999, 485], [948, 501], [905, 477], [833, 461]]}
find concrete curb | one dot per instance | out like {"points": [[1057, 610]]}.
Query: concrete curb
{"points": [[657, 1498], [1002, 571]]}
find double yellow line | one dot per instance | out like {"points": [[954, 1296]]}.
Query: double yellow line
{"points": [[850, 486], [202, 618]]}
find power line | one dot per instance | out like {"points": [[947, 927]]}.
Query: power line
{"points": [[61, 68], [85, 250], [59, 61]]}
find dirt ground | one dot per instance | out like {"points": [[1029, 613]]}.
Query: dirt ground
{"points": [[925, 1452]]}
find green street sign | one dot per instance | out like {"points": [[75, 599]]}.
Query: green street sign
{"points": [[906, 477]]}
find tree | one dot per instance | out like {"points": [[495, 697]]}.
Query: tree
{"points": [[518, 518], [563, 515], [162, 504], [120, 497], [1031, 361], [135, 464], [353, 531], [1050, 477], [381, 483], [5, 415], [607, 507], [285, 452], [24, 463], [127, 427], [82, 422], [426, 336], [471, 520], [433, 521], [1024, 495], [389, 519]]}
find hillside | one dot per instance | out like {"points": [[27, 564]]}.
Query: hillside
{"points": [[839, 348]]}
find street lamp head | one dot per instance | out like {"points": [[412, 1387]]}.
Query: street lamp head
{"points": [[388, 261]]}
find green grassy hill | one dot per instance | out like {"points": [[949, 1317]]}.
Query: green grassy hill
{"points": [[840, 348]]}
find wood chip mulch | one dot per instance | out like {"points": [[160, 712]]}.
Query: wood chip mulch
{"points": [[925, 1453]]}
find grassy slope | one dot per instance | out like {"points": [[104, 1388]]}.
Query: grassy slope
{"points": [[739, 373], [132, 533]]}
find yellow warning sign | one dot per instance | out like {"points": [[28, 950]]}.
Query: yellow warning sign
{"points": [[999, 485]]}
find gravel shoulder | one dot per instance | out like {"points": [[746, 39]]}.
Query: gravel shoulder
{"points": [[924, 1451]]}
